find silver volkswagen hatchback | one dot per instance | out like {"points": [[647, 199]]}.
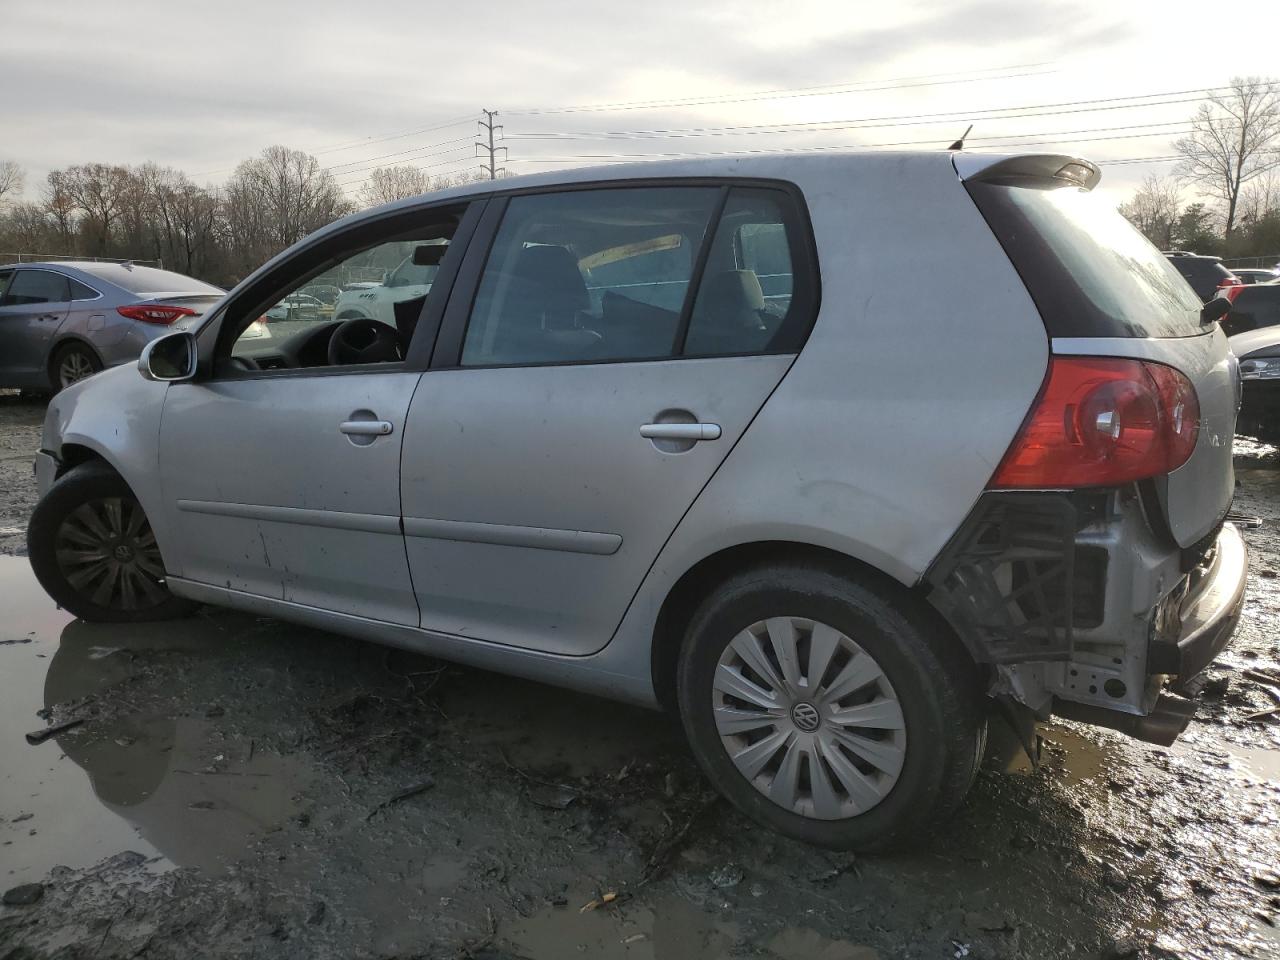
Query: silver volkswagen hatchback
{"points": [[664, 433]]}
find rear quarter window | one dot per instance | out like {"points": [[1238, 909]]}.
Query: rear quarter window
{"points": [[1090, 273]]}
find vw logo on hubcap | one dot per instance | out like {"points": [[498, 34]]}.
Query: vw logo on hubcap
{"points": [[805, 716], [123, 553]]}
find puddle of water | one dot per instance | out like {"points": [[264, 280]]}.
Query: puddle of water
{"points": [[137, 781], [61, 821]]}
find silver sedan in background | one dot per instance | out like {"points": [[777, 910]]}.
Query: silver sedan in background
{"points": [[61, 322]]}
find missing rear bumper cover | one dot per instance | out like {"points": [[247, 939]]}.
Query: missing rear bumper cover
{"points": [[1012, 581]]}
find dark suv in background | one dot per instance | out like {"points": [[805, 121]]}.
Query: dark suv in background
{"points": [[1206, 274]]}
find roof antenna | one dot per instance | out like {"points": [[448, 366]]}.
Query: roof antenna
{"points": [[959, 144]]}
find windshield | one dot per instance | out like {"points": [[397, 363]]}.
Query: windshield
{"points": [[1090, 272]]}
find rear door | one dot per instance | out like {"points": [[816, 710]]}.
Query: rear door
{"points": [[584, 394], [34, 305], [1104, 290]]}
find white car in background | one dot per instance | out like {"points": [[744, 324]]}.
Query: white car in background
{"points": [[408, 281]]}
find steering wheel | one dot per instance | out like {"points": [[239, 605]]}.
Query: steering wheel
{"points": [[363, 340]]}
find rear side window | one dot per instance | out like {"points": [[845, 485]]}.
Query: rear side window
{"points": [[588, 275], [1253, 308], [745, 302], [632, 274], [1090, 273], [37, 286]]}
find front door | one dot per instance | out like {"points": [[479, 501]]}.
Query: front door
{"points": [[34, 304], [281, 469], [597, 388]]}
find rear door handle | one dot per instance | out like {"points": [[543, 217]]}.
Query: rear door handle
{"points": [[366, 428], [681, 431]]}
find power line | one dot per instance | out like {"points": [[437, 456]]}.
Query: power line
{"points": [[364, 142], [855, 86], [923, 119], [400, 153], [424, 166], [395, 136], [824, 148]]}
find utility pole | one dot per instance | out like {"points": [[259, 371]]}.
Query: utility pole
{"points": [[489, 127]]}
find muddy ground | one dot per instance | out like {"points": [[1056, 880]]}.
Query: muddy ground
{"points": [[244, 788]]}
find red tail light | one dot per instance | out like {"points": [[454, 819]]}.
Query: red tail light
{"points": [[1102, 421], [162, 313], [1230, 292], [1227, 282]]}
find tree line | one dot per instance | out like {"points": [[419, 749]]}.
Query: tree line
{"points": [[1230, 163], [218, 234]]}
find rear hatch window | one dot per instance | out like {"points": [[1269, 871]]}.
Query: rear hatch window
{"points": [[1090, 273]]}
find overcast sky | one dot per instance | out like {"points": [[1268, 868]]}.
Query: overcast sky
{"points": [[202, 86]]}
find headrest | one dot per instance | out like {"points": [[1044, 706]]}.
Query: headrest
{"points": [[429, 254], [732, 293], [554, 270]]}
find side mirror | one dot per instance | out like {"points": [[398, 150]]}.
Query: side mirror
{"points": [[169, 359], [1214, 310]]}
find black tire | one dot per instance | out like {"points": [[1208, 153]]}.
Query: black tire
{"points": [[69, 356], [936, 683], [91, 485]]}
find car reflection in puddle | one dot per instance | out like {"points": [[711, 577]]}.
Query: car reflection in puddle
{"points": [[198, 809]]}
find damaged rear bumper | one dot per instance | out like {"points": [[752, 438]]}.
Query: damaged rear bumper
{"points": [[1084, 611], [1208, 613]]}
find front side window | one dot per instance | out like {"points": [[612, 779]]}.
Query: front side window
{"points": [[37, 286], [589, 275], [360, 306]]}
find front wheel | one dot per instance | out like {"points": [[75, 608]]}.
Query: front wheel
{"points": [[93, 550], [829, 708]]}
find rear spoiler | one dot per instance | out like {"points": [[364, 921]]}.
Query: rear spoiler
{"points": [[976, 168]]}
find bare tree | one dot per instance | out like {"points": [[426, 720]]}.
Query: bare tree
{"points": [[61, 210], [1234, 138], [387, 184], [294, 192], [1154, 209], [186, 221], [99, 191], [1259, 199], [11, 181]]}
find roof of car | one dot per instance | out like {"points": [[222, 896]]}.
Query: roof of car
{"points": [[1263, 339]]}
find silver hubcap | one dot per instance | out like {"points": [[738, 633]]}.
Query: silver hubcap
{"points": [[809, 718], [75, 366], [106, 550]]}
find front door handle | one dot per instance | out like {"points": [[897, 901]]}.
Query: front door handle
{"points": [[681, 431], [366, 428]]}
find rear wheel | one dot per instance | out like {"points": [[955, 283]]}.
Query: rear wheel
{"points": [[71, 364], [93, 550], [828, 709]]}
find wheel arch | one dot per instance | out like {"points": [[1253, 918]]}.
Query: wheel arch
{"points": [[707, 574], [61, 343]]}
